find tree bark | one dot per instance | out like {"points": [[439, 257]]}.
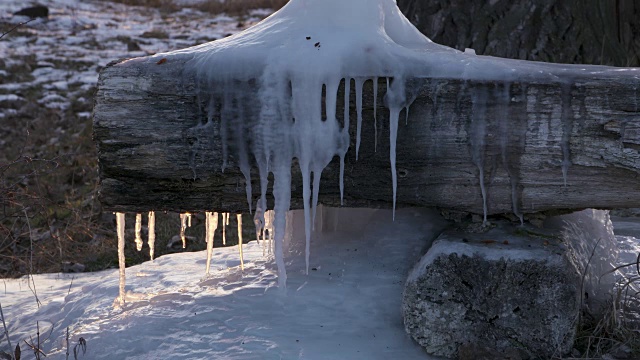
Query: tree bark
{"points": [[561, 31], [151, 159]]}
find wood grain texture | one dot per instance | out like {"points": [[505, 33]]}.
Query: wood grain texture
{"points": [[151, 156]]}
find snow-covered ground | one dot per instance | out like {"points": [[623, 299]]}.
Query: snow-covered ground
{"points": [[65, 52], [348, 307]]}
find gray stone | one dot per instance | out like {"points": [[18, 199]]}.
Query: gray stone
{"points": [[509, 290]]}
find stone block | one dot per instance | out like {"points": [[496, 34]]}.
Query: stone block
{"points": [[510, 290]]}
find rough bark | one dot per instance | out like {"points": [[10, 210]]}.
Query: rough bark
{"points": [[562, 31], [151, 159]]}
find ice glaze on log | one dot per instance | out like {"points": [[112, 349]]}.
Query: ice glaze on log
{"points": [[151, 159]]}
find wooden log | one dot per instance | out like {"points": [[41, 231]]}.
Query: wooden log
{"points": [[152, 158]]}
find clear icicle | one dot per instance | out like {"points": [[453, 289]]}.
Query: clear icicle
{"points": [[239, 218], [477, 138], [183, 228], [375, 110], [120, 222], [359, 84], [306, 198], [139, 241], [395, 97], [317, 173], [211, 226], [152, 234], [394, 114], [282, 196], [258, 221]]}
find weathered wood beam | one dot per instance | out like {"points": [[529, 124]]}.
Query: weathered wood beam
{"points": [[145, 113]]}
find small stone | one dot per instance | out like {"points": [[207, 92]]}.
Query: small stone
{"points": [[71, 267]]}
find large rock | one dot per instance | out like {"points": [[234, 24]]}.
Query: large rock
{"points": [[509, 290]]}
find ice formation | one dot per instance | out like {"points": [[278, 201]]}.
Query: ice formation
{"points": [[239, 218], [185, 221], [121, 259], [225, 222], [273, 90], [211, 224], [152, 234], [138, 232]]}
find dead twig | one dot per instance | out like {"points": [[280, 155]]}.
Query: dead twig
{"points": [[4, 325], [15, 27]]}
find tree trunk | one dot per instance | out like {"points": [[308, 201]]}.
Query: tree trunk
{"points": [[151, 158], [561, 31]]}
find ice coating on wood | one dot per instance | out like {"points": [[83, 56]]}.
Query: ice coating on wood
{"points": [[121, 259], [269, 85], [138, 230], [152, 234]]}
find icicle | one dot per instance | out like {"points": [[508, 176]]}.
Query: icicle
{"points": [[477, 139], [120, 222], [183, 227], [211, 226], [341, 180], [188, 220], [138, 232], [317, 173], [152, 233], [395, 98], [269, 225], [258, 220], [394, 114], [347, 92], [239, 218], [567, 128], [406, 115], [306, 198], [359, 84], [375, 110], [225, 222], [504, 98], [282, 195]]}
